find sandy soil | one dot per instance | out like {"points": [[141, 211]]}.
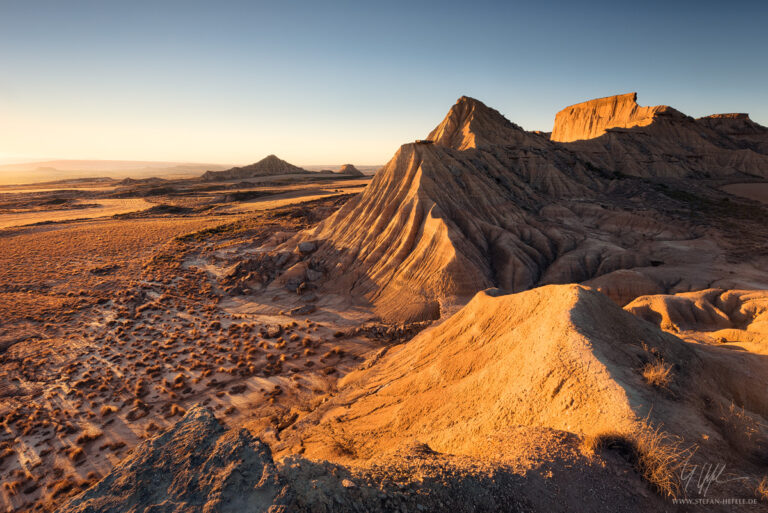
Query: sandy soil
{"points": [[289, 198], [157, 337], [108, 207], [754, 191]]}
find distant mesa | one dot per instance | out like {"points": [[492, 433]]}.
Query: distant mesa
{"points": [[349, 170], [268, 166]]}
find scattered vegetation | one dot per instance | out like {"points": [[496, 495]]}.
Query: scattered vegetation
{"points": [[657, 374], [653, 453]]}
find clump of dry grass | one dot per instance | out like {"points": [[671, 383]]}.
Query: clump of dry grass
{"points": [[107, 410], [90, 434], [652, 452], [658, 374], [75, 453], [742, 431], [761, 490]]}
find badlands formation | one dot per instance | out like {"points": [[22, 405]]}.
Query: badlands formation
{"points": [[268, 166], [501, 320], [349, 170]]}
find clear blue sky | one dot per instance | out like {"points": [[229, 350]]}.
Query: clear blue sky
{"points": [[331, 82]]}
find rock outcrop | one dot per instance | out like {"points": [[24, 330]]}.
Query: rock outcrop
{"points": [[197, 466], [593, 118], [485, 204], [471, 124], [268, 166], [616, 133]]}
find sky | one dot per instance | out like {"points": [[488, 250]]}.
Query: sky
{"points": [[330, 82]]}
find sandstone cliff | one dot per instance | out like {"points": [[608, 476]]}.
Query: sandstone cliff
{"points": [[593, 118], [616, 133]]}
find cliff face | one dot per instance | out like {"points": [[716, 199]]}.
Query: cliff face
{"points": [[592, 118]]}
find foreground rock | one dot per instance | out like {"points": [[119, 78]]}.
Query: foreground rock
{"points": [[196, 466]]}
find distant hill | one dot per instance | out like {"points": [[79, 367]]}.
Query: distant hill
{"points": [[58, 170], [268, 166], [349, 170]]}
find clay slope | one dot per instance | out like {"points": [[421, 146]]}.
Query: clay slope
{"points": [[562, 357], [616, 133], [720, 316], [268, 166], [349, 170]]}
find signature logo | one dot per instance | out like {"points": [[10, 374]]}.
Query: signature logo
{"points": [[700, 477]]}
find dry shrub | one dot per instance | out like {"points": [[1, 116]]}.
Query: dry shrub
{"points": [[761, 491], [61, 486], [75, 453], [652, 452], [12, 487], [107, 410], [657, 374], [90, 434], [742, 431]]}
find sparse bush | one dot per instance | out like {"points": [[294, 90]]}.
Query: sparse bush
{"points": [[657, 374], [742, 431], [75, 453], [761, 491], [652, 452], [107, 409], [90, 434]]}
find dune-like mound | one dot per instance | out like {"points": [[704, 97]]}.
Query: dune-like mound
{"points": [[593, 118], [268, 166], [560, 356], [349, 170], [724, 316]]}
